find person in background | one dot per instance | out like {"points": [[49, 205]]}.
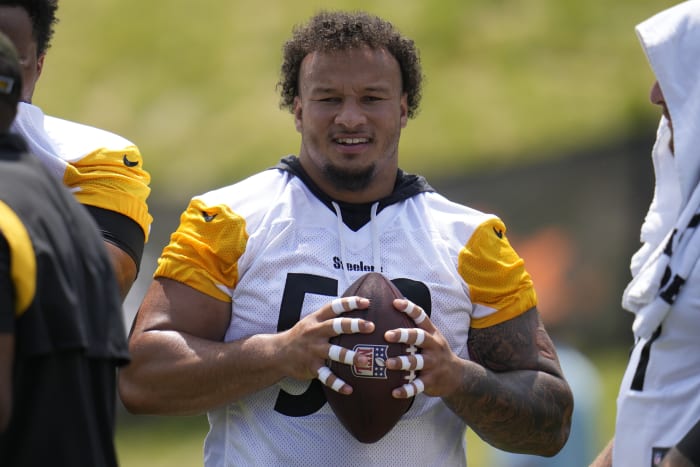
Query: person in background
{"points": [[62, 334], [658, 406], [103, 170], [246, 296]]}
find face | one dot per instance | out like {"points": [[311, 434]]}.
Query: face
{"points": [[350, 112], [17, 26], [657, 97]]}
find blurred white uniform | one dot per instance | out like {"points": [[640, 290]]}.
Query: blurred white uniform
{"points": [[659, 399]]}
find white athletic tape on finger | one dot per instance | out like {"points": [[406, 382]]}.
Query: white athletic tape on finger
{"points": [[414, 388], [324, 373], [335, 354], [419, 362], [338, 325], [409, 309], [406, 362], [420, 337], [337, 384], [337, 306]]}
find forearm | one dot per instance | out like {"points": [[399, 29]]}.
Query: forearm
{"points": [[604, 459], [522, 411], [178, 374]]}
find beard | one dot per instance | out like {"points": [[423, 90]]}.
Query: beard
{"points": [[349, 180]]}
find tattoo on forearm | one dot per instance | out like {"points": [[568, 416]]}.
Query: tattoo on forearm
{"points": [[519, 399]]}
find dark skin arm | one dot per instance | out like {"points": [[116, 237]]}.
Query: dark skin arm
{"points": [[124, 268], [512, 393]]}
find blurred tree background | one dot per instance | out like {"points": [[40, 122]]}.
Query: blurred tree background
{"points": [[536, 110]]}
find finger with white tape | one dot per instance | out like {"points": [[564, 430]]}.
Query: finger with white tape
{"points": [[415, 312], [412, 336], [341, 305], [346, 325], [416, 364], [326, 376], [341, 354], [414, 388]]}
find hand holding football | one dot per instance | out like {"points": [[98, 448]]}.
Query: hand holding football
{"points": [[370, 412]]}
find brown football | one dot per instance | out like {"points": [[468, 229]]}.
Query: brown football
{"points": [[370, 412]]}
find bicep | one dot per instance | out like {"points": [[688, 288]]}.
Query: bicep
{"points": [[124, 268], [173, 306], [521, 343]]}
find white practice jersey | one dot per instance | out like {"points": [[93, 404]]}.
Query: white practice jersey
{"points": [[278, 251]]}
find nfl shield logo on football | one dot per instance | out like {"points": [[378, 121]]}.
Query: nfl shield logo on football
{"points": [[376, 365]]}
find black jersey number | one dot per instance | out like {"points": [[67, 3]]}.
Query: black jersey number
{"points": [[295, 289]]}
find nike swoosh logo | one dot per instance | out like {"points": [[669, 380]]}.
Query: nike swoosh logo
{"points": [[129, 163], [499, 233], [207, 217]]}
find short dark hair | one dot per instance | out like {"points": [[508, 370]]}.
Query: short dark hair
{"points": [[43, 16], [339, 30]]}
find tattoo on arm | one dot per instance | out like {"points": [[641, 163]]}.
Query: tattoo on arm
{"points": [[516, 397]]}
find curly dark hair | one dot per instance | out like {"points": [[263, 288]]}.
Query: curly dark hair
{"points": [[339, 30], [43, 16]]}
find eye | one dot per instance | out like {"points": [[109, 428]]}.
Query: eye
{"points": [[328, 100], [373, 98]]}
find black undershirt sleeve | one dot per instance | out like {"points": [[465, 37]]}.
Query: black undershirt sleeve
{"points": [[120, 231], [690, 444], [7, 291]]}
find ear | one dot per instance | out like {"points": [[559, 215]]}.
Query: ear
{"points": [[297, 114], [404, 110], [40, 65]]}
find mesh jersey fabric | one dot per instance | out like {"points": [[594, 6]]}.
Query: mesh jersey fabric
{"points": [[269, 238], [102, 169]]}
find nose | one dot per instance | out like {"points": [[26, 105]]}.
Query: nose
{"points": [[656, 96], [350, 114]]}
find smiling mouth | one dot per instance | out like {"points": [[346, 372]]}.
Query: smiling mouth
{"points": [[351, 141]]}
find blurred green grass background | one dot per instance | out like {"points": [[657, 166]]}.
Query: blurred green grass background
{"points": [[194, 84], [508, 82]]}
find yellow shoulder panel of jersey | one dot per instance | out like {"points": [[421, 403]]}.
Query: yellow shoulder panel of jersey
{"points": [[204, 250], [113, 179], [495, 274], [22, 258]]}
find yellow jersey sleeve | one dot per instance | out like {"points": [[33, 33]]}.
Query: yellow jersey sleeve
{"points": [[22, 258], [112, 179], [204, 250], [499, 286]]}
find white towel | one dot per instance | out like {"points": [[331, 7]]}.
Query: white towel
{"points": [[673, 259]]}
